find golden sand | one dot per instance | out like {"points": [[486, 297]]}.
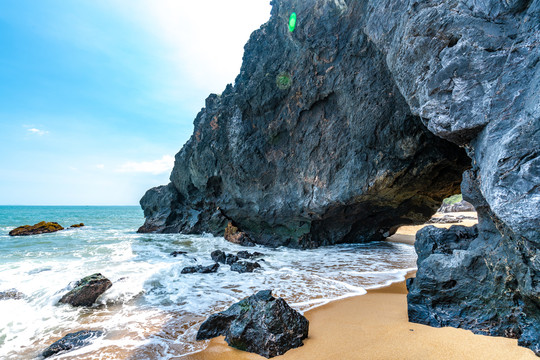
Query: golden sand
{"points": [[375, 326]]}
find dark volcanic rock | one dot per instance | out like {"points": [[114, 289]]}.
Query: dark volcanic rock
{"points": [[221, 257], [200, 269], [39, 228], [476, 278], [247, 255], [334, 156], [11, 294], [245, 266], [260, 323], [334, 133], [72, 341], [87, 290], [176, 253]]}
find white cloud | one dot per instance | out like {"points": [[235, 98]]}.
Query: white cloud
{"points": [[38, 131], [160, 166], [100, 166], [204, 39]]}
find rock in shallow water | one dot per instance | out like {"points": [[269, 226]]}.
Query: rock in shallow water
{"points": [[260, 323], [200, 269], [221, 257], [245, 266], [11, 294], [39, 228], [72, 341], [87, 290]]}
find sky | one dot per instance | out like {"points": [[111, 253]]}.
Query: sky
{"points": [[97, 96]]}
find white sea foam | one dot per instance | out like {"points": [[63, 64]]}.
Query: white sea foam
{"points": [[152, 308]]}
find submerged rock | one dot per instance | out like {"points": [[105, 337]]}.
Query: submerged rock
{"points": [[176, 253], [77, 225], [200, 269], [39, 228], [87, 290], [221, 257], [72, 341], [247, 255], [245, 266], [11, 294], [260, 323]]}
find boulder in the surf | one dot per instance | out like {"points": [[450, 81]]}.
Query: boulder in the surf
{"points": [[176, 253], [247, 255], [72, 341], [200, 269], [245, 266], [11, 294], [77, 225], [87, 290], [221, 257], [39, 228], [260, 323]]}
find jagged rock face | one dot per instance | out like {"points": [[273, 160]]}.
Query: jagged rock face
{"points": [[313, 145], [484, 278]]}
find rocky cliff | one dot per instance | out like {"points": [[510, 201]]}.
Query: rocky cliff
{"points": [[364, 118]]}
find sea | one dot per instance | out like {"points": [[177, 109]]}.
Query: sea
{"points": [[152, 311]]}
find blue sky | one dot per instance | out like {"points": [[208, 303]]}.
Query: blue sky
{"points": [[97, 96]]}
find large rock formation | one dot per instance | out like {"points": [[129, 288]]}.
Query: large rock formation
{"points": [[327, 136], [313, 145]]}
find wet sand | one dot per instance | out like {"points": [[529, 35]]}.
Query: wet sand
{"points": [[375, 326]]}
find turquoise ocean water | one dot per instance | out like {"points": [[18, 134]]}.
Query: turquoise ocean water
{"points": [[152, 311]]}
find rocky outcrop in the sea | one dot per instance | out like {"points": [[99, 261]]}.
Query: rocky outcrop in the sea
{"points": [[224, 258], [260, 323], [200, 269], [11, 294], [77, 225], [247, 255], [72, 341], [87, 290], [39, 228], [245, 266], [334, 133]]}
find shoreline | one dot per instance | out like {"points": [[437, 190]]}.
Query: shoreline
{"points": [[375, 326]]}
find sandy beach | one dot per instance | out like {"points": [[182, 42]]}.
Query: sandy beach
{"points": [[375, 326]]}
